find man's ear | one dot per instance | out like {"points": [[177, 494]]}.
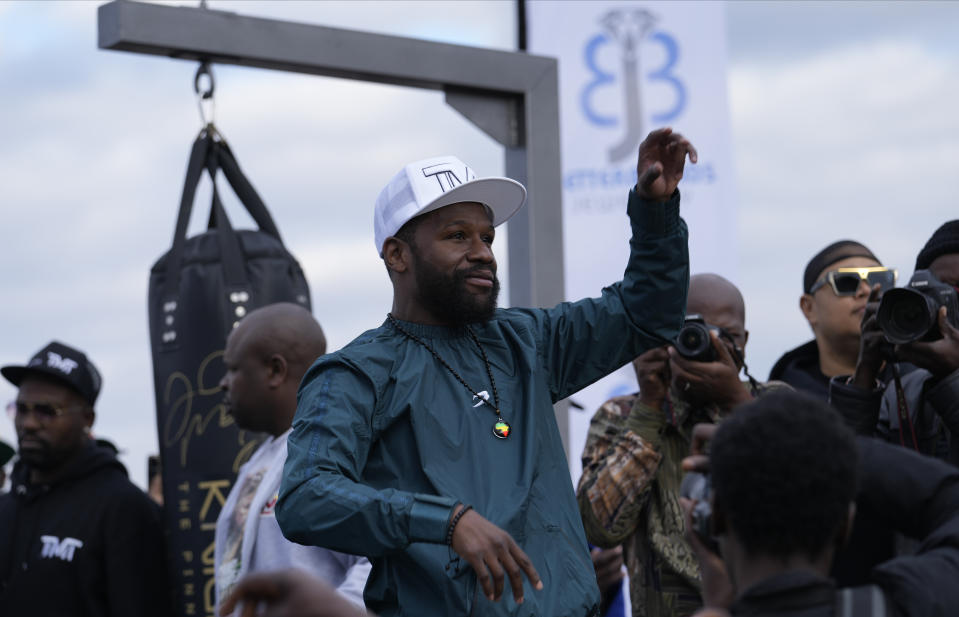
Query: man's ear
{"points": [[88, 417], [807, 308], [845, 527], [396, 254], [278, 369], [745, 340]]}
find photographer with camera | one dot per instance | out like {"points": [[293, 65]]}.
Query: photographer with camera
{"points": [[918, 327], [836, 284], [629, 491], [786, 477]]}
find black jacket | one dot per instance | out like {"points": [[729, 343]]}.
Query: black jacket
{"points": [[800, 369], [917, 495], [933, 406], [88, 545], [871, 542]]}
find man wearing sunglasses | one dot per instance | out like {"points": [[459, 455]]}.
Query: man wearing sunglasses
{"points": [[836, 286], [922, 412], [76, 537]]}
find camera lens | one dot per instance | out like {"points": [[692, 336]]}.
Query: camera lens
{"points": [[692, 338], [694, 343], [905, 315]]}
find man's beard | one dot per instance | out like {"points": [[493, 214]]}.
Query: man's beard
{"points": [[42, 457], [447, 299]]}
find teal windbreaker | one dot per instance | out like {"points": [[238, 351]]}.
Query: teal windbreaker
{"points": [[386, 441]]}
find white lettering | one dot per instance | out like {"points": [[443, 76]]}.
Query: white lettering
{"points": [[64, 365], [61, 549]]}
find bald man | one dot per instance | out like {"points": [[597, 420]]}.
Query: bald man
{"points": [[265, 358], [629, 491]]}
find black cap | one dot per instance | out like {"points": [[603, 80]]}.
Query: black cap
{"points": [[944, 241], [843, 249], [63, 363]]}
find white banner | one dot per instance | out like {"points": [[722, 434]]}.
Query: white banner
{"points": [[624, 69]]}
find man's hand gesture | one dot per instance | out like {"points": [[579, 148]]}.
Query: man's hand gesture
{"points": [[493, 555], [662, 156]]}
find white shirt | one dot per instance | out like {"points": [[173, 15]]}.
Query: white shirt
{"points": [[248, 538]]}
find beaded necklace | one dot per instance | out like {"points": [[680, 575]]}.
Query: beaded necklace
{"points": [[501, 427]]}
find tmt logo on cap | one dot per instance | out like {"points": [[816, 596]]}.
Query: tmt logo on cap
{"points": [[63, 363], [430, 184], [446, 174], [58, 362]]}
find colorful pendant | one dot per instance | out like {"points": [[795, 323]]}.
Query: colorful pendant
{"points": [[501, 428]]}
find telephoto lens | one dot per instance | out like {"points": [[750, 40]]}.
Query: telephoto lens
{"points": [[911, 313], [906, 315], [693, 341]]}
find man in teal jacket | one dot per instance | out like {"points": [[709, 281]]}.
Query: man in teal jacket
{"points": [[429, 444]]}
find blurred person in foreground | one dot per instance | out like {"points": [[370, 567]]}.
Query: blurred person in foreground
{"points": [[76, 536], [836, 285], [781, 497], [155, 479], [430, 443], [916, 403], [6, 455], [266, 355], [629, 491], [287, 593]]}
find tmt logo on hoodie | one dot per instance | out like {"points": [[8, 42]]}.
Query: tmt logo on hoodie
{"points": [[61, 549]]}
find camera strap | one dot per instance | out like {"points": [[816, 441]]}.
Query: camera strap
{"points": [[902, 409], [754, 388]]}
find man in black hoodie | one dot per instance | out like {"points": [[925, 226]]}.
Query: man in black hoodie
{"points": [[786, 478], [76, 537]]}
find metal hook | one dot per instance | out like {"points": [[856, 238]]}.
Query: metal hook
{"points": [[206, 95]]}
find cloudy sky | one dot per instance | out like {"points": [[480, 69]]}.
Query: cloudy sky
{"points": [[843, 125]]}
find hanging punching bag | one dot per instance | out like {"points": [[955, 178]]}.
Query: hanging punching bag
{"points": [[199, 290]]}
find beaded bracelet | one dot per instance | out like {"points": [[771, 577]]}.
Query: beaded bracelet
{"points": [[456, 519]]}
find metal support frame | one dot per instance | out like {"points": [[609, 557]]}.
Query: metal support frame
{"points": [[513, 97]]}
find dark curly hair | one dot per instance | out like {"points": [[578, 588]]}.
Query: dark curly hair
{"points": [[784, 472]]}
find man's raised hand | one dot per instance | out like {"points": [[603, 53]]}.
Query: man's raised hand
{"points": [[493, 554], [662, 156]]}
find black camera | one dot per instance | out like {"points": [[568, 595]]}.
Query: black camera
{"points": [[693, 341], [911, 313], [696, 486]]}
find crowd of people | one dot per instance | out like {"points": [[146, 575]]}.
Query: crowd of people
{"points": [[419, 470]]}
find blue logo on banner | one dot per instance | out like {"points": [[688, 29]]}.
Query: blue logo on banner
{"points": [[629, 28]]}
